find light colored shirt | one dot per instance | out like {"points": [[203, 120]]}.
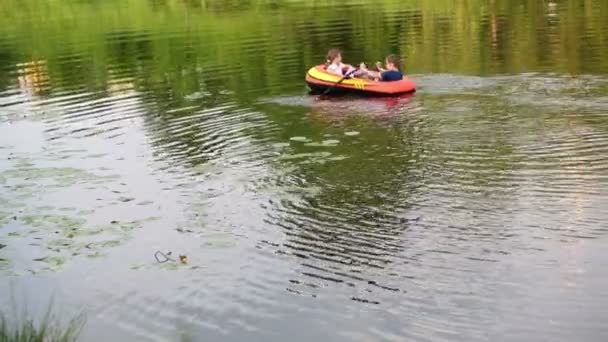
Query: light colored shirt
{"points": [[338, 69]]}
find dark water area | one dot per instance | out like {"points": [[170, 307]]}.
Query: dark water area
{"points": [[474, 210]]}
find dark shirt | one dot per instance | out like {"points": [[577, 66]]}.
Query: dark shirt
{"points": [[391, 76]]}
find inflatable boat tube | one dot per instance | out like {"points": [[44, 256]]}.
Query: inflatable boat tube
{"points": [[319, 81]]}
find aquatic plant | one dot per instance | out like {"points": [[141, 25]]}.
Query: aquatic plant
{"points": [[18, 328]]}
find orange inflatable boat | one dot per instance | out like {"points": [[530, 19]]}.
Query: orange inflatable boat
{"points": [[319, 81]]}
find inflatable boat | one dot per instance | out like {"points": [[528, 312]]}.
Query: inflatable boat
{"points": [[319, 81]]}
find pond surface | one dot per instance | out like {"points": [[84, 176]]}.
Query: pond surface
{"points": [[474, 210]]}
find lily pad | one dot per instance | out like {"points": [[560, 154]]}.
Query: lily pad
{"points": [[4, 218], [280, 145], [96, 254], [111, 243], [314, 155], [330, 142], [299, 139], [55, 263], [324, 143], [125, 199], [337, 158]]}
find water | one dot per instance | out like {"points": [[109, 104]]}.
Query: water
{"points": [[474, 210]]}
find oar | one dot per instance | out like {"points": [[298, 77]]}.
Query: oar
{"points": [[340, 81]]}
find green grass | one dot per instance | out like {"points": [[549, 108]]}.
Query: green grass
{"points": [[18, 328]]}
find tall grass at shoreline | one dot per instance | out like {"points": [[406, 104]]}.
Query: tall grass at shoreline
{"points": [[19, 328]]}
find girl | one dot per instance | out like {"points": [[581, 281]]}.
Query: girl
{"points": [[335, 66]]}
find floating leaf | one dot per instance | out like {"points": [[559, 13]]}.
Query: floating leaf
{"points": [[280, 145], [126, 199], [351, 133], [172, 266], [111, 243], [55, 263], [150, 219], [96, 254], [313, 155], [314, 144], [299, 139], [324, 143], [331, 142], [4, 218], [337, 158]]}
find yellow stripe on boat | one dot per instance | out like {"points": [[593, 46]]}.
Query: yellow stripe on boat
{"points": [[327, 77]]}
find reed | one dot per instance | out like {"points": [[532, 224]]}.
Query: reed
{"points": [[20, 328]]}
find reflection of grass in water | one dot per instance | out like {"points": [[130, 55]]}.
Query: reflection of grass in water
{"points": [[50, 329]]}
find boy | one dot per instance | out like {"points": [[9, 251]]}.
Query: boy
{"points": [[391, 73]]}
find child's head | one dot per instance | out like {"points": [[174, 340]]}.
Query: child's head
{"points": [[392, 62], [334, 56]]}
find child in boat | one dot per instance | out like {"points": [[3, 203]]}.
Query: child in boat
{"points": [[390, 73], [335, 66]]}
